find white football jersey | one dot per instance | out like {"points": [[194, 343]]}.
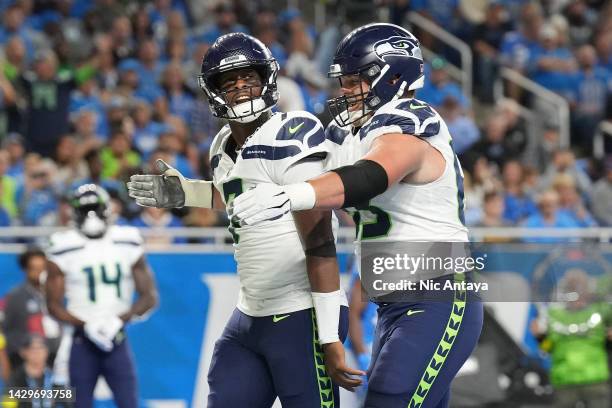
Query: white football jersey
{"points": [[405, 212], [97, 272], [270, 258]]}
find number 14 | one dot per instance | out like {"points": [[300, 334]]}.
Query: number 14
{"points": [[105, 279]]}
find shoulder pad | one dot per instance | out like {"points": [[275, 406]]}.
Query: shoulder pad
{"points": [[288, 135], [125, 235], [215, 147], [411, 117], [335, 133], [300, 126], [65, 241]]}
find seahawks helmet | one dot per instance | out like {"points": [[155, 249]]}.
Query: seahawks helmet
{"points": [[387, 57], [91, 210], [237, 51]]}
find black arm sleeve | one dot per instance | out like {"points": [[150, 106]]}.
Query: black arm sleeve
{"points": [[362, 181]]}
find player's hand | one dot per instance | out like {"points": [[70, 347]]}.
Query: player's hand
{"points": [[270, 202], [161, 191], [336, 367], [102, 331]]}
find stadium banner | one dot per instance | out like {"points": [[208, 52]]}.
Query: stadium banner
{"points": [[198, 292]]}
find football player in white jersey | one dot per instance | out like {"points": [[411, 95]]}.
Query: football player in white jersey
{"points": [[93, 271], [392, 158], [290, 302]]}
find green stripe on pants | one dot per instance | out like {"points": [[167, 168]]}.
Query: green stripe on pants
{"points": [[443, 348], [326, 390]]}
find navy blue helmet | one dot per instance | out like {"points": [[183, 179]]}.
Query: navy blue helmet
{"points": [[91, 209], [232, 52], [387, 57]]}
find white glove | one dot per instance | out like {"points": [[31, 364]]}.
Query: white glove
{"points": [[170, 189], [102, 331], [270, 202]]}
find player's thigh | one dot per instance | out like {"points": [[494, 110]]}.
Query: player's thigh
{"points": [[296, 363], [84, 367], [120, 374], [422, 354], [238, 377]]}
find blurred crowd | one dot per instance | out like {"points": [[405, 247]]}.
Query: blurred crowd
{"points": [[94, 91]]}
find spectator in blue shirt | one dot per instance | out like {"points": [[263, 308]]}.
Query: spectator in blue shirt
{"points": [[571, 203], [149, 65], [14, 24], [225, 22], [173, 148], [439, 86], [517, 46], [552, 65], [180, 98], [460, 125], [549, 216], [488, 37], [146, 131], [175, 51], [603, 44], [159, 218], [517, 204], [36, 197], [443, 12], [588, 96], [87, 97], [14, 145]]}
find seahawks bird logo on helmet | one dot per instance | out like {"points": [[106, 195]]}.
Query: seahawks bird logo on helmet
{"points": [[387, 57], [233, 52], [398, 46], [91, 210]]}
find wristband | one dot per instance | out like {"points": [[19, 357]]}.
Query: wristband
{"points": [[302, 196], [198, 193], [327, 311]]}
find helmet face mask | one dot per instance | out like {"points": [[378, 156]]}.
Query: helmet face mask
{"points": [[91, 210], [351, 109], [234, 53], [387, 57]]}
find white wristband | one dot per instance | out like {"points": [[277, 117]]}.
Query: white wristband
{"points": [[302, 196], [198, 193], [327, 311]]}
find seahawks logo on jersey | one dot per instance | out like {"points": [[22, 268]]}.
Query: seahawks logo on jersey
{"points": [[397, 46]]}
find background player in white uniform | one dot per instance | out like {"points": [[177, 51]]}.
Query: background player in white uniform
{"points": [[270, 346], [399, 169], [96, 268]]}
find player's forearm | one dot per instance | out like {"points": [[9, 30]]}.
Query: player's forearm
{"points": [[144, 303], [329, 191], [60, 313], [144, 282], [349, 186], [323, 274], [356, 333]]}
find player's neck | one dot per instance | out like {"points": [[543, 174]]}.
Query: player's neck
{"points": [[241, 131]]}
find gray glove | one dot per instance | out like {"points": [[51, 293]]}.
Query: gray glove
{"points": [[161, 191]]}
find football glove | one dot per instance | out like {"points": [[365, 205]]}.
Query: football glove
{"points": [[102, 331], [170, 189], [270, 202]]}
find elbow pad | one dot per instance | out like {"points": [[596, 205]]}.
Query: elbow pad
{"points": [[362, 181]]}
